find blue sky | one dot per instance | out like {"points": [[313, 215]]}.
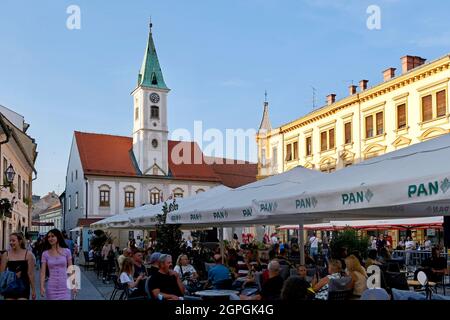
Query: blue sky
{"points": [[218, 57]]}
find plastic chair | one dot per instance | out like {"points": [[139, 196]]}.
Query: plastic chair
{"points": [[375, 294], [340, 295], [118, 287]]}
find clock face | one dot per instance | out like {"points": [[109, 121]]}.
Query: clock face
{"points": [[154, 97]]}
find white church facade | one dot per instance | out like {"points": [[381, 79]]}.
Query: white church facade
{"points": [[109, 175]]}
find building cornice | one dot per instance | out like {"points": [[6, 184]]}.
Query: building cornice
{"points": [[417, 74]]}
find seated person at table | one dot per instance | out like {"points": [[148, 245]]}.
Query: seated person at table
{"points": [[186, 271], [358, 274], [282, 258], [219, 275], [126, 254], [435, 266], [138, 260], [321, 286], [126, 276], [271, 289], [372, 258], [296, 289], [302, 273], [154, 263], [166, 283], [252, 261]]}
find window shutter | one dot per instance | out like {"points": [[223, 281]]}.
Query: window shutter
{"points": [[323, 141], [288, 152], [308, 146], [348, 132], [441, 103], [379, 118], [401, 116], [331, 138], [427, 108], [369, 127], [295, 150]]}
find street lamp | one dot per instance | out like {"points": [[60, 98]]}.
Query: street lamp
{"points": [[9, 175]]}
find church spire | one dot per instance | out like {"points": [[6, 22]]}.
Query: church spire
{"points": [[265, 122], [150, 74]]}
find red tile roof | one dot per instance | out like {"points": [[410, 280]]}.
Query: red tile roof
{"points": [[110, 155], [234, 173]]}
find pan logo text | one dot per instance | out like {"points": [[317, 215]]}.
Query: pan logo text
{"points": [[268, 207], [428, 189], [357, 197], [220, 215], [306, 203]]}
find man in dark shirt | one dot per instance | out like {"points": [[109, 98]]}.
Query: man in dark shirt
{"points": [[271, 289], [166, 283], [436, 266]]}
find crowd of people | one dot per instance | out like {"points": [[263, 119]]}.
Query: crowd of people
{"points": [[270, 274]]}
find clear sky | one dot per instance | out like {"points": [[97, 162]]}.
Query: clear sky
{"points": [[217, 56]]}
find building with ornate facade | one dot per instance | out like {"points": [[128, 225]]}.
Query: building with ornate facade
{"points": [[109, 175], [401, 110]]}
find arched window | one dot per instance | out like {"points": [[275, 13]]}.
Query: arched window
{"points": [[155, 196], [199, 191], [104, 195], [154, 112], [129, 197], [178, 193]]}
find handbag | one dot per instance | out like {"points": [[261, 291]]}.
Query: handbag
{"points": [[10, 284]]}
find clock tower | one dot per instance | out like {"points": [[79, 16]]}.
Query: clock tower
{"points": [[150, 130]]}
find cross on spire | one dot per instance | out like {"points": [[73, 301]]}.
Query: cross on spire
{"points": [[150, 24], [265, 95]]}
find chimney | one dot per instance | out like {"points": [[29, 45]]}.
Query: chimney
{"points": [[363, 85], [411, 62], [388, 74], [352, 89], [331, 98]]}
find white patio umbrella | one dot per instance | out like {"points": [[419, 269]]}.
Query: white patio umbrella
{"points": [[234, 207], [146, 216], [411, 182]]}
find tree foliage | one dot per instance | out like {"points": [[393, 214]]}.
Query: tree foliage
{"points": [[350, 239], [168, 236]]}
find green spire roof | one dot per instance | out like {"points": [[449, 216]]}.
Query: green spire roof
{"points": [[150, 74]]}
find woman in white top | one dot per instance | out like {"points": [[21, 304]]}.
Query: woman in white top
{"points": [[321, 286], [126, 276], [185, 270], [358, 274]]}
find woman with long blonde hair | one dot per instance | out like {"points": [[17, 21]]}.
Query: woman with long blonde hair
{"points": [[358, 274]]}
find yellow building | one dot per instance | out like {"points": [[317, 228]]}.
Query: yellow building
{"points": [[402, 110]]}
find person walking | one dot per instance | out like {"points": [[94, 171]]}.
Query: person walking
{"points": [[57, 258], [107, 259], [21, 261]]}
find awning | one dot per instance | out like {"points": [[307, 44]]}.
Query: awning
{"points": [[401, 224], [42, 224]]}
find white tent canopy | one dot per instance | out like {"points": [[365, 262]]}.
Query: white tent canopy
{"points": [[234, 207], [146, 215], [411, 182]]}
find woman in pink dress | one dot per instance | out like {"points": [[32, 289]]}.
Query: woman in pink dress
{"points": [[57, 258]]}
